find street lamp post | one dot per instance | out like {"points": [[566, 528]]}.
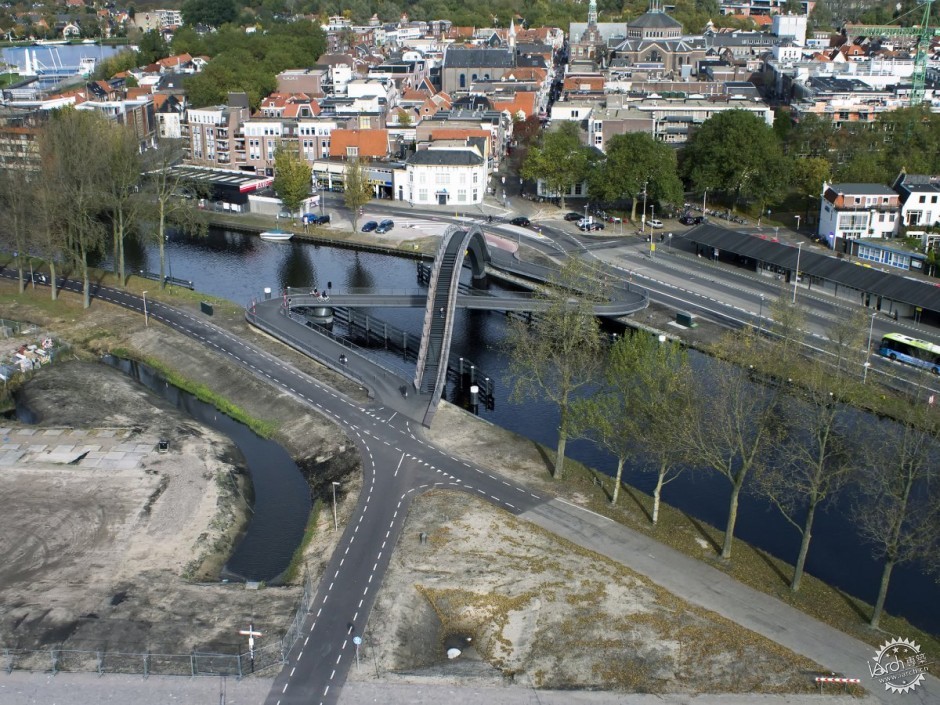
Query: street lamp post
{"points": [[797, 223], [704, 196], [146, 319], [335, 524], [652, 218], [760, 316], [643, 214], [871, 330], [796, 274]]}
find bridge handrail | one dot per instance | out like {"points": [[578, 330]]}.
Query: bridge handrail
{"points": [[284, 334]]}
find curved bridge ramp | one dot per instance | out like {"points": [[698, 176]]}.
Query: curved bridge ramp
{"points": [[431, 373]]}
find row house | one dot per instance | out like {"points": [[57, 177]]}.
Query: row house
{"points": [[920, 200], [19, 137], [307, 81], [213, 134], [289, 105], [850, 212], [448, 172]]}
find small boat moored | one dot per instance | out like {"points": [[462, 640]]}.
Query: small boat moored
{"points": [[276, 235]]}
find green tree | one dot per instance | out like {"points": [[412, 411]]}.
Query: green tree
{"points": [[151, 47], [559, 353], [735, 152], [646, 383], [821, 16], [808, 174], [634, 162], [357, 191], [560, 160], [291, 178], [213, 13]]}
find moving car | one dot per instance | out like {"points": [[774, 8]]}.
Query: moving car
{"points": [[385, 226], [654, 223], [572, 216], [369, 226], [521, 221]]}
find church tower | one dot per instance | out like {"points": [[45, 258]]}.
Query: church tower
{"points": [[592, 14]]}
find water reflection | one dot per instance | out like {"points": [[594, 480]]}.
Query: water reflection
{"points": [[237, 267]]}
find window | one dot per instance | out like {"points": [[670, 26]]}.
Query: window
{"points": [[476, 176], [598, 139], [461, 195], [933, 199], [923, 199], [476, 195], [352, 152], [441, 178], [463, 80], [422, 194]]}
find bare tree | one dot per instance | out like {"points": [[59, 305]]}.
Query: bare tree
{"points": [[734, 420], [899, 510], [123, 190], [74, 153], [846, 342], [789, 320], [814, 460], [559, 353], [171, 196], [16, 203]]}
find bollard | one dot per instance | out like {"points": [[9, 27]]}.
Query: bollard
{"points": [[267, 293], [423, 537]]}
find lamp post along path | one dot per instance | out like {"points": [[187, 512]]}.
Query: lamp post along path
{"points": [[796, 274], [871, 330], [146, 318], [335, 523]]}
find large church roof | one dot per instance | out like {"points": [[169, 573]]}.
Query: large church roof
{"points": [[655, 19]]}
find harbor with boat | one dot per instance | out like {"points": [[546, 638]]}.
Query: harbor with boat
{"points": [[40, 68]]}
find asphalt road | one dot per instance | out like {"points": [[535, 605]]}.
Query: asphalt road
{"points": [[398, 465]]}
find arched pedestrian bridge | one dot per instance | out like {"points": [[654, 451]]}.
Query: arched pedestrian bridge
{"points": [[440, 301]]}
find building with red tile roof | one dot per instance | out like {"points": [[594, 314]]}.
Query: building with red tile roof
{"points": [[364, 144]]}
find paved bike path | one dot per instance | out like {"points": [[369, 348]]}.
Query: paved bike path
{"points": [[708, 587]]}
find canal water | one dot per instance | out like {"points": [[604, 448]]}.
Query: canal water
{"points": [[281, 496], [237, 267]]}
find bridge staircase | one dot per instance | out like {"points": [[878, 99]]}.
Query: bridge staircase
{"points": [[431, 373]]}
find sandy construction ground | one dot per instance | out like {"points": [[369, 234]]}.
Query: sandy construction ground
{"points": [[95, 543], [530, 608]]}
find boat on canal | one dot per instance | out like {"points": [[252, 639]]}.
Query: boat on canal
{"points": [[276, 235]]}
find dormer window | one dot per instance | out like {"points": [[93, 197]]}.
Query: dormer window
{"points": [[352, 152]]}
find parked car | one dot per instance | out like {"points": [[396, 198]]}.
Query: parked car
{"points": [[521, 221], [614, 219], [691, 219], [369, 226], [314, 219], [385, 226], [654, 223], [572, 216], [591, 226]]}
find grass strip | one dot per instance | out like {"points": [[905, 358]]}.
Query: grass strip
{"points": [[263, 428], [297, 560]]}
